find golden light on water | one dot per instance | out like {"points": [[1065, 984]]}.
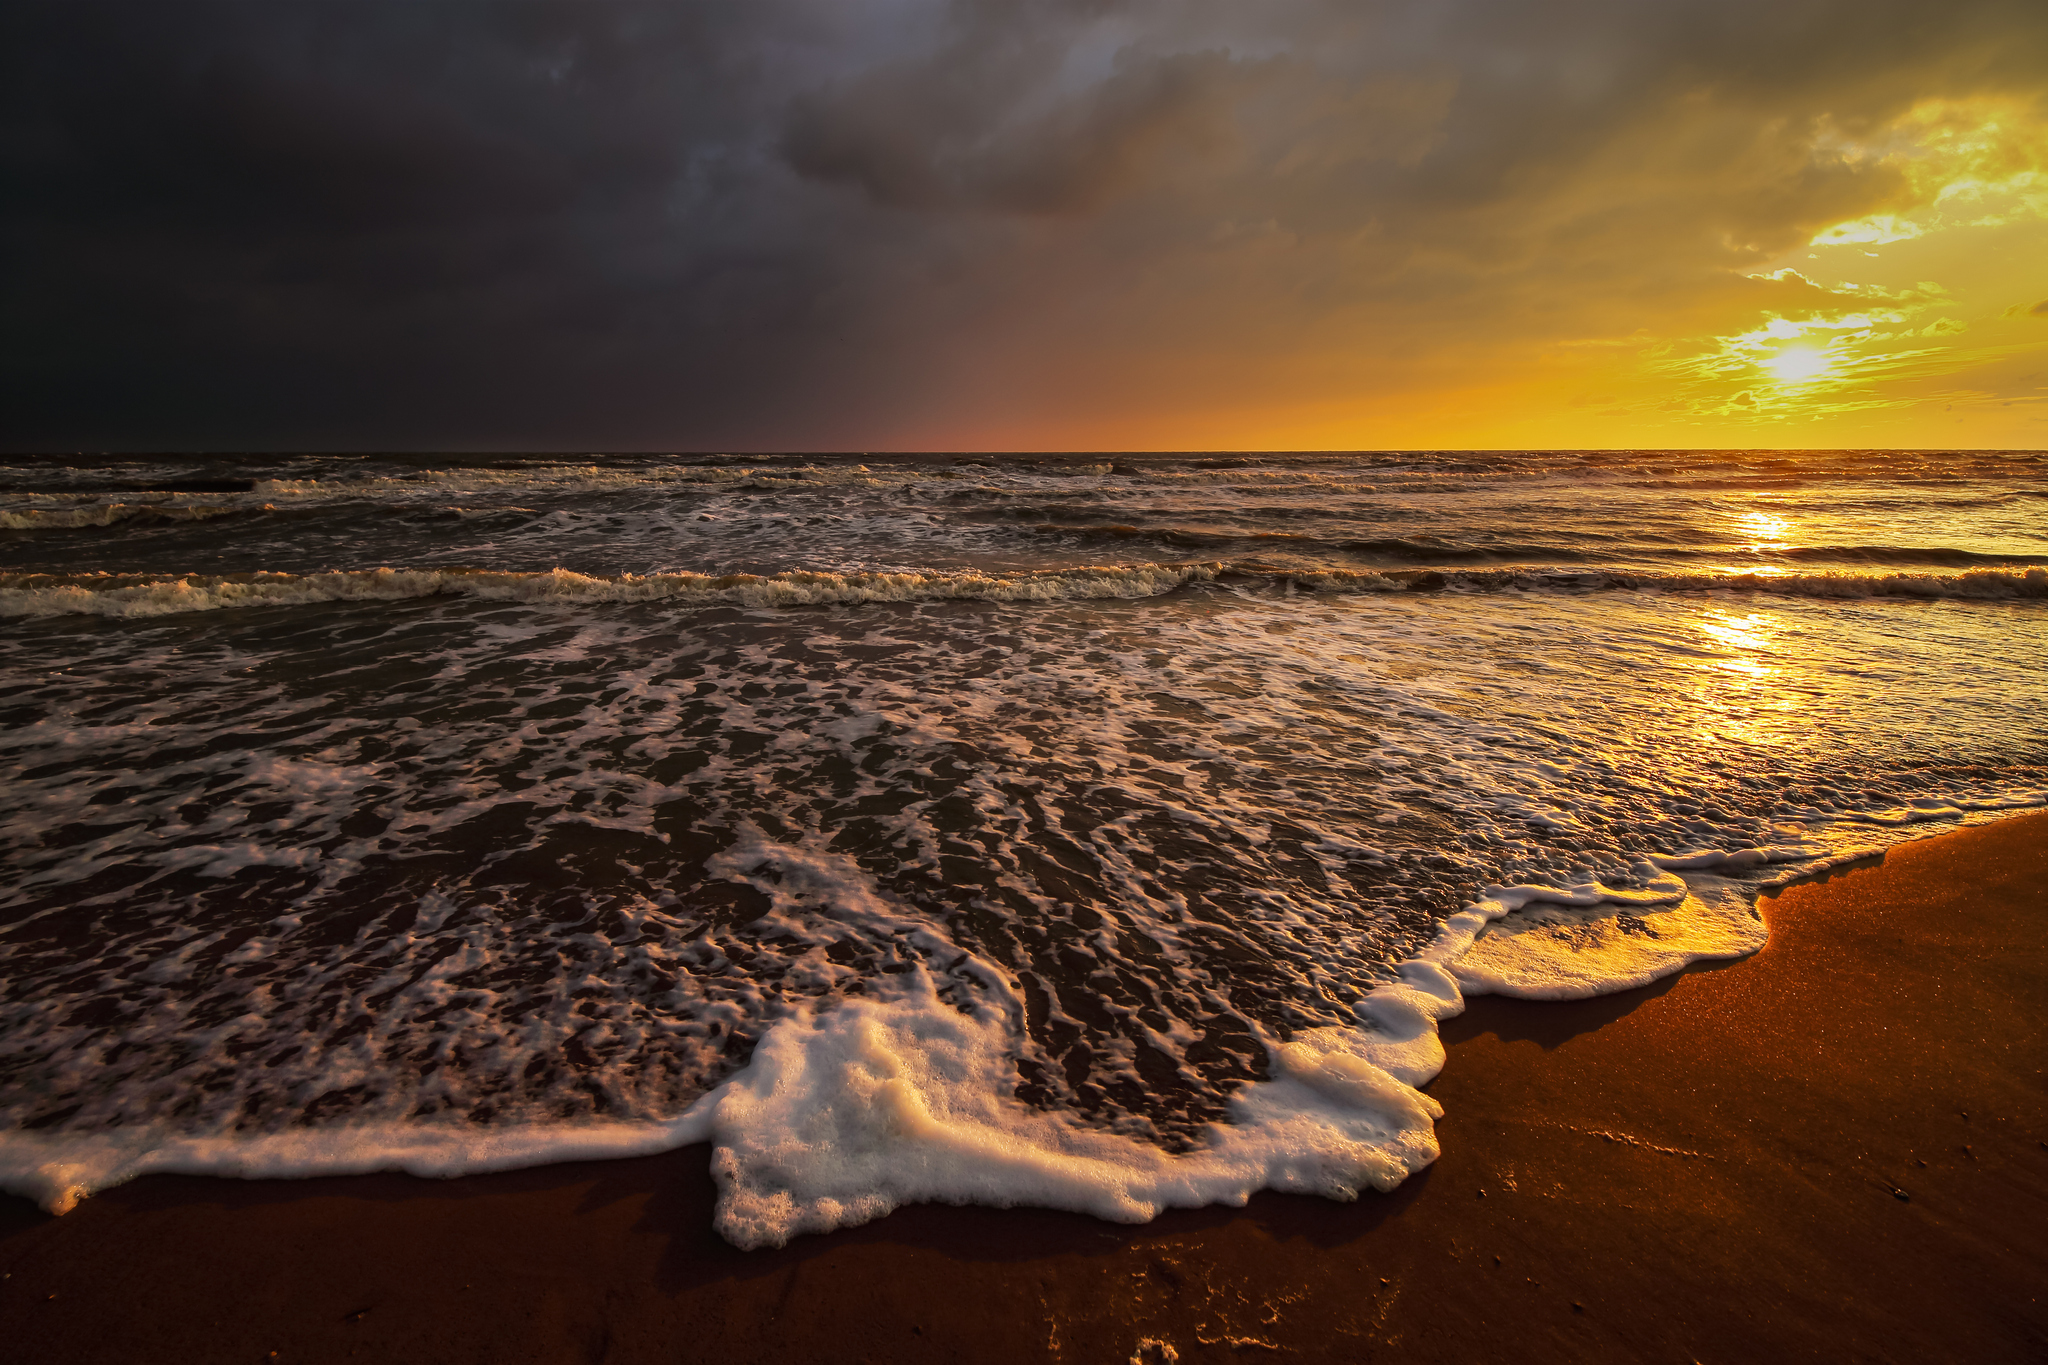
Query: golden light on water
{"points": [[1748, 634], [1759, 532], [1770, 532], [1745, 686]]}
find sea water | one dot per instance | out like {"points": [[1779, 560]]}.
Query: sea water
{"points": [[1105, 833]]}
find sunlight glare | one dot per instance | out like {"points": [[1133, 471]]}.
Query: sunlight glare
{"points": [[1749, 634], [1798, 365], [1744, 679], [1771, 532]]}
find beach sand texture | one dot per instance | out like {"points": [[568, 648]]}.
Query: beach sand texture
{"points": [[1835, 1150]]}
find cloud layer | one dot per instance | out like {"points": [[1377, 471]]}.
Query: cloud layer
{"points": [[832, 224]]}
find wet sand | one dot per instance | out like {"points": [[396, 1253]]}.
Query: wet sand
{"points": [[1836, 1150]]}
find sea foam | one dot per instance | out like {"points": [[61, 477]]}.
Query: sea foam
{"points": [[848, 1113], [905, 1096]]}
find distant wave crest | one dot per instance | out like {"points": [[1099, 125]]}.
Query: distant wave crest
{"points": [[109, 514], [129, 595]]}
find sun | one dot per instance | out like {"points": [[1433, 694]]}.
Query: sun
{"points": [[1798, 365]]}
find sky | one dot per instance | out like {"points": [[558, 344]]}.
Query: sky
{"points": [[769, 225]]}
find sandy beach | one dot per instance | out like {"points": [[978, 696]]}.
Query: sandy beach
{"points": [[1837, 1150]]}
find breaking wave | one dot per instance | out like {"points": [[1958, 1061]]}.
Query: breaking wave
{"points": [[101, 515], [104, 594]]}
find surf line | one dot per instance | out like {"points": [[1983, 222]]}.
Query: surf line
{"points": [[846, 1113]]}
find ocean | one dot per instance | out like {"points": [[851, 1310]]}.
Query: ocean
{"points": [[1097, 832]]}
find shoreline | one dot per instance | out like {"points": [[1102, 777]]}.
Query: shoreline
{"points": [[1708, 1168]]}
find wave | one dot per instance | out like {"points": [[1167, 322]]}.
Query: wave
{"points": [[113, 514], [1440, 551], [599, 478], [138, 595], [1972, 585], [1895, 554], [1427, 550], [850, 1111], [1435, 550], [104, 516], [900, 1096], [88, 507]]}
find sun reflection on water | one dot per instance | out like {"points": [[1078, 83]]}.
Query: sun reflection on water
{"points": [[1745, 682], [1759, 533], [1753, 632], [1770, 532]]}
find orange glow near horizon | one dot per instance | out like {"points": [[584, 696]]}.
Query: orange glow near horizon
{"points": [[1921, 320]]}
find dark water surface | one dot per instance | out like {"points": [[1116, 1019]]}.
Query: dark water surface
{"points": [[339, 792]]}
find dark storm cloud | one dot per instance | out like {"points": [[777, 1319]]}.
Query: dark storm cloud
{"points": [[930, 136], [374, 223], [779, 223]]}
